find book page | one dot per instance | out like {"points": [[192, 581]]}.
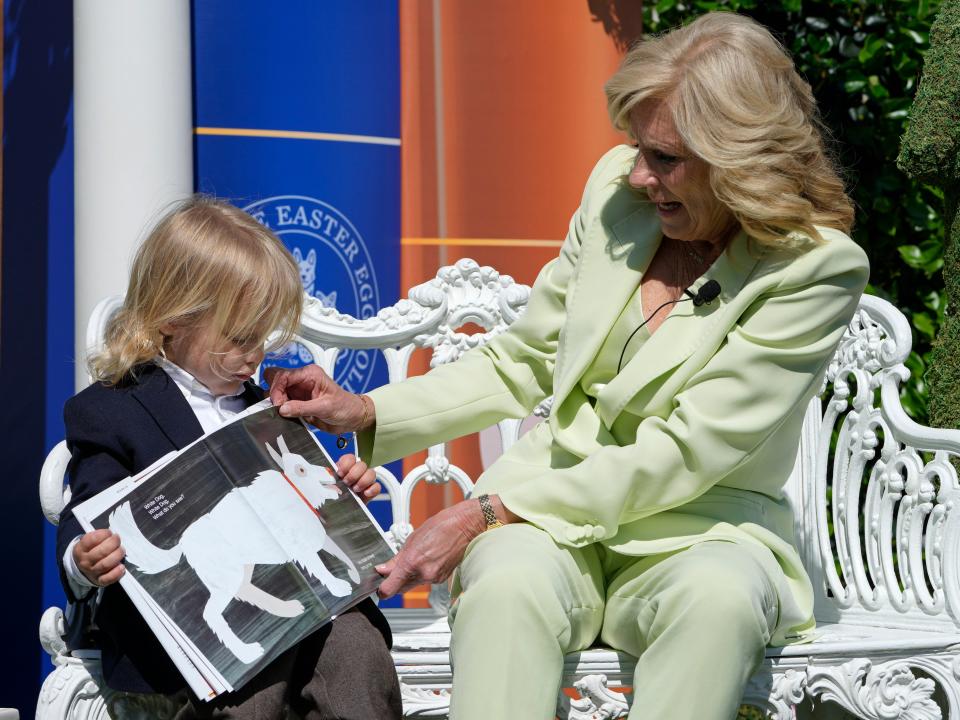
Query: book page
{"points": [[292, 484], [194, 544], [201, 677]]}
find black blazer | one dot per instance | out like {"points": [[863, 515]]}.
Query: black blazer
{"points": [[112, 433]]}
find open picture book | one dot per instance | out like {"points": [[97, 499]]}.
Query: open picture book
{"points": [[240, 545]]}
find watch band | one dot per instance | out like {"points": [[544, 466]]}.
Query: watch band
{"points": [[489, 516]]}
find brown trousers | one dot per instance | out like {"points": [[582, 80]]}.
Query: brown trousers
{"points": [[343, 671]]}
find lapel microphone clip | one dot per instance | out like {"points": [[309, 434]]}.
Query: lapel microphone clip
{"points": [[706, 294]]}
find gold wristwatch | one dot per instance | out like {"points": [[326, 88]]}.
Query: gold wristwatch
{"points": [[489, 516]]}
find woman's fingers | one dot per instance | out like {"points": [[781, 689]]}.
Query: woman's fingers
{"points": [[311, 394], [307, 409], [431, 553], [270, 375], [303, 383], [278, 381], [387, 567], [397, 578]]}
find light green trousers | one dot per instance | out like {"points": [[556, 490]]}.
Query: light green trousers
{"points": [[698, 619]]}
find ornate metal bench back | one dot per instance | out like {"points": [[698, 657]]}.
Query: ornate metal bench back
{"points": [[874, 492]]}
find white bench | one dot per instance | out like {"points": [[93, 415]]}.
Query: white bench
{"points": [[876, 521]]}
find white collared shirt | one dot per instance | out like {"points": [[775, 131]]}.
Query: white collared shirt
{"points": [[211, 410]]}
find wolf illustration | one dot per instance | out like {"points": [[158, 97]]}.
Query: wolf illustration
{"points": [[225, 544]]}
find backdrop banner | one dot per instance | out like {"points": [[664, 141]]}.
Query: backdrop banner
{"points": [[297, 114]]}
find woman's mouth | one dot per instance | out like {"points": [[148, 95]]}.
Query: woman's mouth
{"points": [[668, 208]]}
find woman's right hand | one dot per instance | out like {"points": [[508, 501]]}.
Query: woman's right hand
{"points": [[99, 557], [310, 393]]}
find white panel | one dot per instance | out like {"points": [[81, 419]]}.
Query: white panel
{"points": [[133, 124]]}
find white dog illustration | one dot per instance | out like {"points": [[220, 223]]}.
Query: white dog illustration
{"points": [[224, 545]]}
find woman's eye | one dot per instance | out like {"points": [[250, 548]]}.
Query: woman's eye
{"points": [[666, 159]]}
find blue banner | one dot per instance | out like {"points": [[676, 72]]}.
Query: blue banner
{"points": [[297, 114]]}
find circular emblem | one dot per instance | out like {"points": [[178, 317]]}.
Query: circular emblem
{"points": [[335, 267]]}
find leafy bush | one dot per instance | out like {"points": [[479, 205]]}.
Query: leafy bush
{"points": [[863, 59]]}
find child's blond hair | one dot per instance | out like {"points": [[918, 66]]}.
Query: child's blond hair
{"points": [[206, 261]]}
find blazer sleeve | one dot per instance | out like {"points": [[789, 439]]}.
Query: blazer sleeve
{"points": [[505, 378], [98, 460], [771, 363]]}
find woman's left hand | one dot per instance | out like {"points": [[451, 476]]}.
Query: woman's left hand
{"points": [[434, 550], [358, 477]]}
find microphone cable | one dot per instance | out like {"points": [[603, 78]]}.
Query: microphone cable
{"points": [[705, 295]]}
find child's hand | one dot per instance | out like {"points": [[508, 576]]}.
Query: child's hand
{"points": [[98, 555], [358, 477]]}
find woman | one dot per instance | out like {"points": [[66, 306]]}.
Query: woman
{"points": [[648, 511]]}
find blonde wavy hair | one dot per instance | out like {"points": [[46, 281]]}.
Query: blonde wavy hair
{"points": [[739, 104], [205, 263]]}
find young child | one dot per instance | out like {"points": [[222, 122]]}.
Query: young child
{"points": [[206, 288]]}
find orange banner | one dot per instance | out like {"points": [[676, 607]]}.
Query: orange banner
{"points": [[502, 117]]}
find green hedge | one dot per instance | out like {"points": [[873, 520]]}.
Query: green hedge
{"points": [[863, 60]]}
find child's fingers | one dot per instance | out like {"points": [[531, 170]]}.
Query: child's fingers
{"points": [[346, 461], [359, 474], [91, 539], [368, 478], [109, 563], [112, 576], [103, 542], [105, 548], [358, 477], [367, 487], [352, 470], [371, 492]]}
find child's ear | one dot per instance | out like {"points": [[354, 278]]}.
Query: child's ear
{"points": [[167, 329]]}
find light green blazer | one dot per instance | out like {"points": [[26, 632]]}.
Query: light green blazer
{"points": [[694, 438]]}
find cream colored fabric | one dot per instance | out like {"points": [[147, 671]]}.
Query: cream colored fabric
{"points": [[621, 341], [524, 602], [694, 439]]}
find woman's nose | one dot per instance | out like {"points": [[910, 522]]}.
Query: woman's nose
{"points": [[641, 175]]}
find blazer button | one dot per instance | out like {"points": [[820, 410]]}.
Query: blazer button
{"points": [[575, 534], [599, 532]]}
